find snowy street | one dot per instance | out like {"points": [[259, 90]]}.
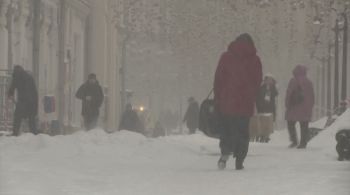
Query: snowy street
{"points": [[127, 163], [150, 97]]}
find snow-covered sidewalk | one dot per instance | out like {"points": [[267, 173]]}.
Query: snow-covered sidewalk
{"points": [[96, 163]]}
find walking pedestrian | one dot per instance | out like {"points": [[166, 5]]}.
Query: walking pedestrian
{"points": [[191, 116], [131, 121], [237, 81], [27, 99], [266, 101], [299, 103], [266, 104], [91, 95]]}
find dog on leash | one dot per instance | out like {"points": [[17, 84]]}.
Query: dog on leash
{"points": [[343, 144]]}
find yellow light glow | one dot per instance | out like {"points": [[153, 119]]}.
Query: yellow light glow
{"points": [[142, 108]]}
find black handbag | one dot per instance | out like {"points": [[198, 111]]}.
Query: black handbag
{"points": [[209, 118], [296, 97]]}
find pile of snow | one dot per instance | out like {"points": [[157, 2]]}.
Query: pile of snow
{"points": [[326, 139], [96, 162], [321, 123], [5, 133]]}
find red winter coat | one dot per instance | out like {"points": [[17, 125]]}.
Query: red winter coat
{"points": [[237, 80]]}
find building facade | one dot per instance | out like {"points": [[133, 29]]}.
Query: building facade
{"points": [[60, 42]]}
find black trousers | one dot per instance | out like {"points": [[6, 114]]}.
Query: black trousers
{"points": [[304, 132], [192, 130], [90, 122], [234, 136], [18, 120]]}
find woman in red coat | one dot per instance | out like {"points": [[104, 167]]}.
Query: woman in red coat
{"points": [[299, 103], [237, 81]]}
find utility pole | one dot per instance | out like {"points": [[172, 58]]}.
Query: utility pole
{"points": [[329, 97], [323, 88], [61, 63], [123, 73], [345, 55], [36, 38], [336, 65], [317, 91], [10, 16], [123, 70]]}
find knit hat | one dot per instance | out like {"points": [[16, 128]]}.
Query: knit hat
{"points": [[92, 76]]}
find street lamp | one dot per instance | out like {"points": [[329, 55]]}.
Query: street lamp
{"points": [[318, 25], [337, 30], [345, 55], [321, 87], [329, 97], [336, 64]]}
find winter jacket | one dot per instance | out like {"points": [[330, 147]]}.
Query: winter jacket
{"points": [[158, 130], [90, 108], [303, 110], [191, 116], [131, 121], [237, 80], [27, 93], [266, 101]]}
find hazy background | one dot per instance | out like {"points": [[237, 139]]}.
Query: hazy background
{"points": [[173, 47]]}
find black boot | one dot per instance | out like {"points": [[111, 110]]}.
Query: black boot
{"points": [[292, 134], [292, 145], [222, 162], [304, 128], [340, 158], [15, 134], [239, 164]]}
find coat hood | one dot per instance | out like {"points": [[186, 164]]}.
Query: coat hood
{"points": [[18, 70], [20, 74], [300, 71], [238, 78], [242, 46]]}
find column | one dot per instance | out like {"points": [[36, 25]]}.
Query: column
{"points": [[53, 48], [44, 64], [3, 36], [20, 42]]}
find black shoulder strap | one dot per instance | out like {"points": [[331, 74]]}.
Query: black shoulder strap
{"points": [[211, 91]]}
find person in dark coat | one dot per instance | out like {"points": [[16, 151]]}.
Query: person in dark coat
{"points": [[191, 116], [158, 130], [266, 101], [130, 120], [27, 99], [92, 97], [299, 103], [236, 86]]}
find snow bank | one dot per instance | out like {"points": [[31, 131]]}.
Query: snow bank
{"points": [[100, 163], [326, 139]]}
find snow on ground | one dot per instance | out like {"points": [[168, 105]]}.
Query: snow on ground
{"points": [[97, 163]]}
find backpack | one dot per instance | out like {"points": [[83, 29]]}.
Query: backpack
{"points": [[296, 97], [209, 118]]}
